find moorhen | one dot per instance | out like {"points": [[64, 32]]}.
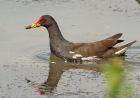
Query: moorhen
{"points": [[74, 52]]}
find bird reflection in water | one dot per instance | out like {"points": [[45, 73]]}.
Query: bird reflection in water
{"points": [[56, 68]]}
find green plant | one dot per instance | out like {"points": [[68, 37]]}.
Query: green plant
{"points": [[138, 1], [115, 75]]}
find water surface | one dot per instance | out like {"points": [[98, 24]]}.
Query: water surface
{"points": [[26, 54]]}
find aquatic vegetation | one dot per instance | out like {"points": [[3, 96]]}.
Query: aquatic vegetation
{"points": [[138, 1], [115, 75]]}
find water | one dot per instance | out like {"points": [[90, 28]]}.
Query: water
{"points": [[26, 54]]}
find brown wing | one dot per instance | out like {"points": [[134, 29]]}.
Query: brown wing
{"points": [[96, 48]]}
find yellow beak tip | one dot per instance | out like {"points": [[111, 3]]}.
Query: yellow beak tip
{"points": [[28, 27], [32, 26]]}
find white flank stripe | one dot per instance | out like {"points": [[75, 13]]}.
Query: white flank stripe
{"points": [[71, 52], [90, 58], [77, 56], [87, 58]]}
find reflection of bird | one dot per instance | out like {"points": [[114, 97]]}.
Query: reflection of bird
{"points": [[79, 51], [35, 86], [56, 71]]}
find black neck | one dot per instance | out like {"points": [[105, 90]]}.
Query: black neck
{"points": [[57, 41], [55, 33]]}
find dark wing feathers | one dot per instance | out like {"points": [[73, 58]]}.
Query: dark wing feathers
{"points": [[96, 48], [103, 48], [119, 41], [109, 42], [116, 36]]}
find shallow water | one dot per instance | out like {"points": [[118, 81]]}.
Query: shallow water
{"points": [[26, 54]]}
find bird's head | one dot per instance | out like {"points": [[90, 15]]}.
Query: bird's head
{"points": [[45, 20]]}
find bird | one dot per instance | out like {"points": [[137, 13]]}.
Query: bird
{"points": [[79, 52]]}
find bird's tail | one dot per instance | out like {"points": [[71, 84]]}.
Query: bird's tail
{"points": [[122, 49]]}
